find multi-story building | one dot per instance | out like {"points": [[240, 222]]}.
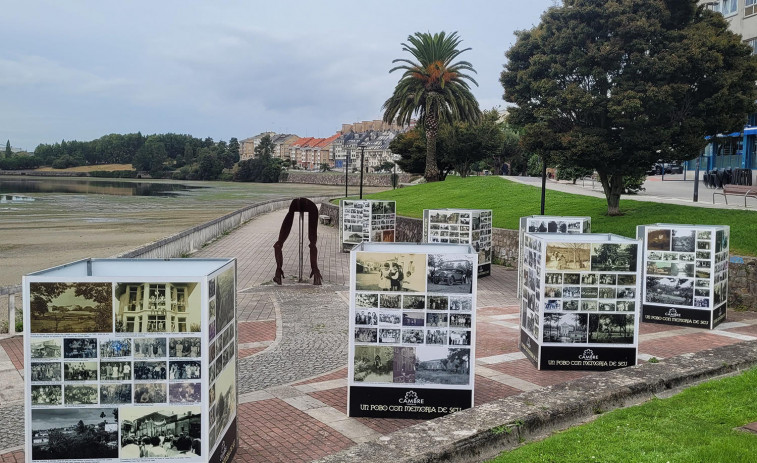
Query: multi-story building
{"points": [[738, 149], [373, 144], [158, 308], [247, 146]]}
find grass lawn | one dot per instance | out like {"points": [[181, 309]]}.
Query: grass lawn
{"points": [[697, 425], [510, 201]]}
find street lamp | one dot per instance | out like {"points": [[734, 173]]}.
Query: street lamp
{"points": [[346, 170], [362, 156]]}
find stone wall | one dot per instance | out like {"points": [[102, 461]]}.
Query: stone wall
{"points": [[335, 178], [742, 283]]}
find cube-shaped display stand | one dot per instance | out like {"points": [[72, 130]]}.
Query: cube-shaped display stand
{"points": [[462, 226], [366, 220], [580, 301], [685, 274], [130, 359], [412, 330], [548, 224]]}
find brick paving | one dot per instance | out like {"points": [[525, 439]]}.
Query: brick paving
{"points": [[293, 350]]}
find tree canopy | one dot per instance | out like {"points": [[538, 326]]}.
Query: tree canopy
{"points": [[617, 85], [435, 87]]}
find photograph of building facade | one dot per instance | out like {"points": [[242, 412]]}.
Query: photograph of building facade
{"points": [[157, 307]]}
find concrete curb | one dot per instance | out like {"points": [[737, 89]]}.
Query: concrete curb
{"points": [[483, 432]]}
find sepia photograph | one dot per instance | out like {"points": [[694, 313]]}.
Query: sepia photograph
{"points": [[149, 347], [672, 291], [115, 394], [568, 256], [390, 272], [46, 395], [684, 240], [614, 257], [442, 365], [149, 393], [80, 348], [71, 307], [80, 395], [658, 240], [373, 364], [184, 393], [565, 328], [369, 301], [74, 434], [45, 371], [450, 273], [158, 307], [161, 433], [119, 347], [611, 328], [403, 367], [45, 348]]}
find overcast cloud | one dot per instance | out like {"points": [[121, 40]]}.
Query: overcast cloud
{"points": [[80, 70]]}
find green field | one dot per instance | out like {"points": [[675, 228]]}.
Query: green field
{"points": [[697, 425], [509, 201]]}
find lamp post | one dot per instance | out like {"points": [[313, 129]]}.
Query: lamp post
{"points": [[346, 170], [362, 156]]}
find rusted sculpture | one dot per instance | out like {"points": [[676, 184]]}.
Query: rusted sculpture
{"points": [[300, 205]]}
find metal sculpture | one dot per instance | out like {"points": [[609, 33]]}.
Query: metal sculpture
{"points": [[300, 205]]}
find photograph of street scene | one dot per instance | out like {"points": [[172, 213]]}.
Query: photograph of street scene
{"points": [[71, 307], [74, 433]]}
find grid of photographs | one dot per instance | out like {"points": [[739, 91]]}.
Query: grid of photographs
{"points": [[113, 392], [367, 220], [685, 266], [418, 332], [461, 226], [580, 291]]}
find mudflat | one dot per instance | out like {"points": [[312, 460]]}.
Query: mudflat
{"points": [[57, 228]]}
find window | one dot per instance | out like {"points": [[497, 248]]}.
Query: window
{"points": [[750, 7], [134, 302], [726, 7], [129, 328], [182, 324], [753, 44], [181, 299], [156, 323]]}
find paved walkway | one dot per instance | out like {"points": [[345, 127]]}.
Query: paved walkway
{"points": [[293, 351]]}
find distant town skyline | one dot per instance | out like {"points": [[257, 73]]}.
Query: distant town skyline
{"points": [[81, 70]]}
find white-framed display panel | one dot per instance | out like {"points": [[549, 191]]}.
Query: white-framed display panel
{"points": [[407, 391], [213, 293], [548, 224], [685, 274], [461, 226], [580, 297], [366, 220]]}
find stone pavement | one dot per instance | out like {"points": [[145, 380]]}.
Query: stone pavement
{"points": [[293, 351]]}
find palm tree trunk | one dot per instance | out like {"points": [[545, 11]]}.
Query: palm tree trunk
{"points": [[432, 127]]}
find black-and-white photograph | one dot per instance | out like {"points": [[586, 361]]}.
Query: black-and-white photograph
{"points": [[115, 371], [669, 290], [704, 235], [571, 292], [571, 305], [80, 395], [589, 292], [658, 240], [150, 370], [702, 273], [614, 257], [459, 337], [702, 292], [71, 307], [390, 317], [704, 245], [156, 433], [565, 328], [115, 394], [75, 434], [442, 365], [462, 320], [414, 302], [611, 328], [719, 293], [211, 288], [568, 256], [436, 336], [571, 278], [702, 302], [684, 240], [390, 301], [45, 348], [390, 336], [184, 393], [450, 273], [553, 291], [553, 278], [589, 306], [366, 335], [625, 306], [626, 280], [149, 393], [368, 301], [606, 306], [45, 371], [184, 369], [703, 255], [607, 293], [149, 347], [404, 365], [438, 302], [225, 298], [437, 320], [607, 279], [212, 309], [80, 348], [376, 271], [120, 347], [46, 395], [184, 347], [702, 282], [366, 317], [553, 304], [537, 226], [589, 279], [627, 293], [412, 336], [373, 364]]}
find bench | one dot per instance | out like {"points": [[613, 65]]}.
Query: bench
{"points": [[736, 190], [324, 219]]}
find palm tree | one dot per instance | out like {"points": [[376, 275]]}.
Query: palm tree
{"points": [[433, 86]]}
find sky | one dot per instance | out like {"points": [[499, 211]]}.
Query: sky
{"points": [[78, 70]]}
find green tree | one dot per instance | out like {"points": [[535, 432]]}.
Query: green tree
{"points": [[435, 87], [8, 151], [614, 86], [151, 157], [325, 167], [411, 147], [265, 147]]}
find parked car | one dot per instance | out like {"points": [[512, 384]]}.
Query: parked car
{"points": [[450, 276], [668, 167]]}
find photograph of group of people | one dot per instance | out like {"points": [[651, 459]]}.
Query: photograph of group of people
{"points": [[391, 272], [454, 226], [432, 365], [367, 220]]}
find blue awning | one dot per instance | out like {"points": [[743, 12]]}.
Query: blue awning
{"points": [[750, 130]]}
